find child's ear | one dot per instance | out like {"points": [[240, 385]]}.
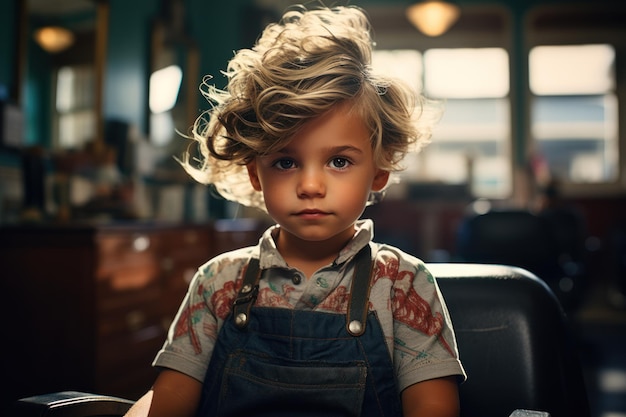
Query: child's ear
{"points": [[380, 180], [253, 175]]}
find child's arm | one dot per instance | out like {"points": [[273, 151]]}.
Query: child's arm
{"points": [[437, 397], [173, 394]]}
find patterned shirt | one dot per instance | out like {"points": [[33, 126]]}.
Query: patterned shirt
{"points": [[404, 295]]}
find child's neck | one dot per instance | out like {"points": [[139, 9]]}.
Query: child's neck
{"points": [[310, 256]]}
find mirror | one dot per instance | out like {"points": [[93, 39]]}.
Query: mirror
{"points": [[62, 60], [61, 88], [174, 76]]}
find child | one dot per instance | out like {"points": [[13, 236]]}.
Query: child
{"points": [[316, 319]]}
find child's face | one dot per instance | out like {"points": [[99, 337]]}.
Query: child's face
{"points": [[318, 185]]}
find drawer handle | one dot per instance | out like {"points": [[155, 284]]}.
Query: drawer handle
{"points": [[135, 320], [167, 264]]}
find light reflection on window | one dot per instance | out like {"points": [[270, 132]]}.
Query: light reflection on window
{"points": [[571, 69], [404, 64], [466, 73], [164, 87]]}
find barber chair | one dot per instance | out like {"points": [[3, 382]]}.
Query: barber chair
{"points": [[513, 339]]}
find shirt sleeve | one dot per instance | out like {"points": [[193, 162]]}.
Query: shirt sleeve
{"points": [[424, 341], [192, 334]]}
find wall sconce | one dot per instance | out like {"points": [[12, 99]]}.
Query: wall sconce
{"points": [[54, 39], [433, 17]]}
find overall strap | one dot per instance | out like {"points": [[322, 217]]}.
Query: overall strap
{"points": [[358, 305], [247, 294]]}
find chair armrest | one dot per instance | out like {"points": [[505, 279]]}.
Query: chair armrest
{"points": [[71, 404], [529, 413]]}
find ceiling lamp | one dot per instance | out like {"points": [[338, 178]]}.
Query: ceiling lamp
{"points": [[433, 17], [54, 39]]}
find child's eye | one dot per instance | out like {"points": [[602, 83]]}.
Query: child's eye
{"points": [[339, 163], [284, 164]]}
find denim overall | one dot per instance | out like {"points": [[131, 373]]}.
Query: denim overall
{"points": [[283, 362]]}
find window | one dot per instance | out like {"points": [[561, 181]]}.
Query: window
{"points": [[74, 115], [164, 89], [471, 143], [574, 117]]}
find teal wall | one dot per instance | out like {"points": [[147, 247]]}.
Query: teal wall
{"points": [[8, 56], [127, 61], [8, 50]]}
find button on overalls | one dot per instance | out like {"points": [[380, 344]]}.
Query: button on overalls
{"points": [[284, 362]]}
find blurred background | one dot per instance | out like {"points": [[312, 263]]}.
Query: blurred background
{"points": [[101, 230]]}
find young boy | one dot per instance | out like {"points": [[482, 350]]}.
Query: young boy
{"points": [[316, 319]]}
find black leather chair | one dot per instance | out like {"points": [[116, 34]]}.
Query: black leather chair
{"points": [[513, 339]]}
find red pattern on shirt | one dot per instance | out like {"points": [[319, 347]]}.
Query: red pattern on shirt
{"points": [[184, 326], [409, 307], [337, 301], [268, 298], [222, 299]]}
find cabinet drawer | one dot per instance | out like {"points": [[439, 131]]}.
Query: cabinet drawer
{"points": [[189, 244], [190, 237], [129, 317], [117, 247], [129, 286]]}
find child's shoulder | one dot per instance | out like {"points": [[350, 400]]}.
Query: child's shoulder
{"points": [[394, 258], [386, 251], [228, 265]]}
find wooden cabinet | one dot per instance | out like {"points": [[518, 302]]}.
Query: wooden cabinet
{"points": [[140, 278], [88, 307]]}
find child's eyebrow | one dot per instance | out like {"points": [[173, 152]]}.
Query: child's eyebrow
{"points": [[347, 148], [330, 150]]}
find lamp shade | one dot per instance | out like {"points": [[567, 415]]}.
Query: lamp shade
{"points": [[433, 17], [54, 39]]}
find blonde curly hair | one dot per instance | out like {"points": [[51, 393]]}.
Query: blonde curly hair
{"points": [[299, 69]]}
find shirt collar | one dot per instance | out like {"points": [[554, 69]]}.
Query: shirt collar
{"points": [[271, 258]]}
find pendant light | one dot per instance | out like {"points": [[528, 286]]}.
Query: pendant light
{"points": [[54, 39], [433, 17]]}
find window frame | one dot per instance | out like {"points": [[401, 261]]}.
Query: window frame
{"points": [[540, 30]]}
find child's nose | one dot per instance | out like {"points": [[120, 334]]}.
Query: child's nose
{"points": [[311, 184]]}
